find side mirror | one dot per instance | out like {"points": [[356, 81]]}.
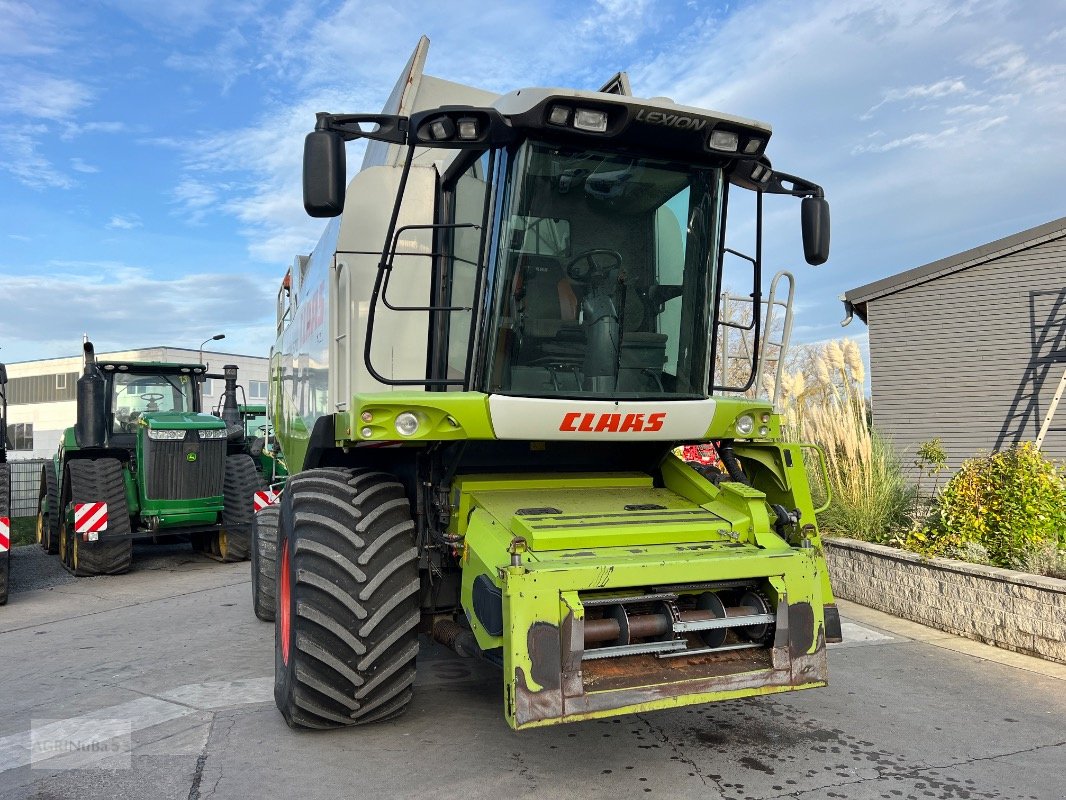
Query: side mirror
{"points": [[3, 374], [814, 219], [324, 174]]}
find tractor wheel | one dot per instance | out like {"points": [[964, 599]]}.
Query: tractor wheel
{"points": [[97, 480], [5, 511], [48, 521], [345, 635], [234, 541], [264, 562]]}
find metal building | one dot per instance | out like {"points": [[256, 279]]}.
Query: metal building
{"points": [[971, 348], [42, 401]]}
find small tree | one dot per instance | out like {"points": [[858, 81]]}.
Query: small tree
{"points": [[930, 460]]}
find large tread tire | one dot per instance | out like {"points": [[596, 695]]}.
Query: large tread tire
{"points": [[264, 562], [48, 521], [5, 511], [348, 599], [91, 480], [234, 541]]}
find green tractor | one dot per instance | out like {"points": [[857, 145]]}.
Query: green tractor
{"points": [[5, 493], [483, 369], [263, 446], [144, 461]]}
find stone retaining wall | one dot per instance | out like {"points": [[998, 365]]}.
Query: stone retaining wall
{"points": [[1008, 609]]}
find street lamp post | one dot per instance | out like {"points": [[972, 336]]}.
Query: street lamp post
{"points": [[215, 338]]}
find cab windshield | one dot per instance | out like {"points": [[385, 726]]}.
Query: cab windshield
{"points": [[605, 275], [134, 395]]}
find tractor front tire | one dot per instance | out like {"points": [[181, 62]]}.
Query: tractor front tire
{"points": [[98, 480], [348, 599], [234, 541], [264, 562], [48, 521]]}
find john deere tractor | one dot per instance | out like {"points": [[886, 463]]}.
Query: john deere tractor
{"points": [[5, 493], [144, 461], [483, 369]]}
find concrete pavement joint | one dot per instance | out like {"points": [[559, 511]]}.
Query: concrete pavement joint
{"points": [[678, 751], [218, 751], [917, 773], [201, 761]]}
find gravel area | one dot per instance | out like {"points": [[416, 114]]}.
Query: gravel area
{"points": [[32, 568]]}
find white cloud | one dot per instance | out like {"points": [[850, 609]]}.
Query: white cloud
{"points": [[31, 29], [27, 92], [123, 306], [124, 223], [19, 146], [942, 88], [80, 165]]}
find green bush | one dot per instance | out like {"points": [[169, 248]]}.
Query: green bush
{"points": [[1005, 506]]}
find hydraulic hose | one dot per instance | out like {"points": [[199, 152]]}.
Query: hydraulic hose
{"points": [[732, 465]]}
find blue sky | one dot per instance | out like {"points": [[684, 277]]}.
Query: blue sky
{"points": [[150, 152]]}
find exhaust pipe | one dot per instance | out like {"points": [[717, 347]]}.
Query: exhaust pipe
{"points": [[230, 413], [90, 429]]}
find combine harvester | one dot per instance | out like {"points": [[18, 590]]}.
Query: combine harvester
{"points": [[482, 369]]}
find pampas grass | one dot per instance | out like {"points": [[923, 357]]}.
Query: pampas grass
{"points": [[870, 496]]}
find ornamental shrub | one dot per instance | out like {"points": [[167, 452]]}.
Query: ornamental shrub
{"points": [[1007, 505]]}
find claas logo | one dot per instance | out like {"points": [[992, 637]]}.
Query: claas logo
{"points": [[576, 421]]}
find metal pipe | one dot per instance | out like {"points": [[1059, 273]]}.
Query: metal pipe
{"points": [[455, 637]]}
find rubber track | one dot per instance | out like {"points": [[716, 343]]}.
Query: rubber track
{"points": [[238, 514], [94, 480], [50, 491], [356, 582], [264, 562], [5, 507]]}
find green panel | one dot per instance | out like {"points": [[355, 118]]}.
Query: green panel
{"points": [[180, 420], [728, 409], [443, 416]]}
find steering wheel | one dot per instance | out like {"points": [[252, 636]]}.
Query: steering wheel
{"points": [[595, 263], [152, 398]]}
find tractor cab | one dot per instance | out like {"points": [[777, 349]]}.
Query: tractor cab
{"points": [[142, 390]]}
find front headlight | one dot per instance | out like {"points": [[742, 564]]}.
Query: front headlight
{"points": [[166, 436], [407, 423], [745, 424], [213, 433]]}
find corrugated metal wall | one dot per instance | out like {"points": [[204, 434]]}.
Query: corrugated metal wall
{"points": [[973, 357]]}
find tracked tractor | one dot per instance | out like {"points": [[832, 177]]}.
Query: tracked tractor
{"points": [[143, 461], [5, 493], [485, 364]]}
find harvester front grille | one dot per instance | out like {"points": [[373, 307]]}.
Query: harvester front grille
{"points": [[184, 470]]}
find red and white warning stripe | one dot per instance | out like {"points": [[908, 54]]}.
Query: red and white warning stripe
{"points": [[90, 517], [264, 498], [5, 534]]}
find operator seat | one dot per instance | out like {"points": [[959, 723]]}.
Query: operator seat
{"points": [[548, 305]]}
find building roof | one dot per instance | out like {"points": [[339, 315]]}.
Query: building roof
{"points": [[856, 299], [112, 355]]}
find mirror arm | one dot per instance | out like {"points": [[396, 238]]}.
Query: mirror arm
{"points": [[390, 128], [799, 186]]}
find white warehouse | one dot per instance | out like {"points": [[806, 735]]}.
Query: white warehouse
{"points": [[41, 395]]}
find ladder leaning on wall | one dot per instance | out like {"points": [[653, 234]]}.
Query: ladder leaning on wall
{"points": [[1046, 425]]}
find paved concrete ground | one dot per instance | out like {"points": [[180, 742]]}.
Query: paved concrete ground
{"points": [[171, 656]]}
